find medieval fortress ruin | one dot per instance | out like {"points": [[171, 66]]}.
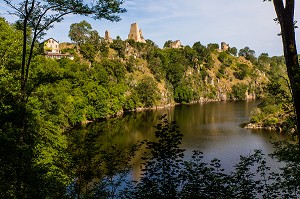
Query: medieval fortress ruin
{"points": [[52, 50], [136, 34]]}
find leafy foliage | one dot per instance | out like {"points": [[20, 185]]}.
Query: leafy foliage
{"points": [[161, 176], [239, 91], [275, 109], [168, 175], [103, 81], [243, 71], [183, 94], [248, 53], [146, 91], [80, 32]]}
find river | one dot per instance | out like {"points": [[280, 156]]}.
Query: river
{"points": [[213, 128]]}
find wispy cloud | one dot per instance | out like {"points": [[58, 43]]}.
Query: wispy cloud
{"points": [[239, 22]]}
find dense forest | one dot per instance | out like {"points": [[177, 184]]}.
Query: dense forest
{"points": [[107, 79]]}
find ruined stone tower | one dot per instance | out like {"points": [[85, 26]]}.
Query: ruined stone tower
{"points": [[107, 37], [176, 44], [224, 46], [136, 34]]}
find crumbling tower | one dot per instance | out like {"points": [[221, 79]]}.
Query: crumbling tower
{"points": [[136, 34], [107, 37], [224, 46], [176, 44]]}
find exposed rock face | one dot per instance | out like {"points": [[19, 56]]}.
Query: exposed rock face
{"points": [[107, 37], [250, 96], [136, 34], [224, 46]]}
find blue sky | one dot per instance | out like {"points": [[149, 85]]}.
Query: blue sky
{"points": [[237, 22]]}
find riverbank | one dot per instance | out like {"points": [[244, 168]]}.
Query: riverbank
{"points": [[262, 126], [141, 109]]}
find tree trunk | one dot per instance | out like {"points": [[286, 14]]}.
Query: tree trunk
{"points": [[285, 14]]}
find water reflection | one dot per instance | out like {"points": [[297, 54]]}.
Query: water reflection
{"points": [[212, 128]]}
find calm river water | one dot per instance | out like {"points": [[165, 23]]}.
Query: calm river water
{"points": [[213, 128]]}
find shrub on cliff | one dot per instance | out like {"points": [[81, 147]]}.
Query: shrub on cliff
{"points": [[239, 91]]}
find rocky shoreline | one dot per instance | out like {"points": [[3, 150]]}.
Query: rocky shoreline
{"points": [[202, 100], [262, 126]]}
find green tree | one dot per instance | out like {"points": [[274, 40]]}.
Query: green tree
{"points": [[239, 91], [88, 51], [203, 52], [225, 58], [212, 46], [191, 56], [147, 91], [183, 94], [40, 15], [161, 177], [263, 61], [35, 18], [95, 39], [167, 43], [80, 32], [233, 51], [151, 43], [243, 70], [10, 46], [248, 53], [119, 46]]}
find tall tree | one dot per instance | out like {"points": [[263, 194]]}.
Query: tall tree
{"points": [[285, 17], [248, 53], [35, 17], [80, 32]]}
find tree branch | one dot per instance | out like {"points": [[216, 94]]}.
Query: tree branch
{"points": [[26, 7], [52, 21], [32, 7], [35, 36], [14, 8]]}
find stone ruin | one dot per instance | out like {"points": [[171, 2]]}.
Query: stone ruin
{"points": [[224, 46], [175, 44], [136, 34], [107, 37]]}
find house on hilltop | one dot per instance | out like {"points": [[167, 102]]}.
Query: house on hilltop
{"points": [[51, 50], [51, 45]]}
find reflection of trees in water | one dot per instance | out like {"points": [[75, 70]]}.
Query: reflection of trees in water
{"points": [[101, 167], [88, 144], [97, 156]]}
